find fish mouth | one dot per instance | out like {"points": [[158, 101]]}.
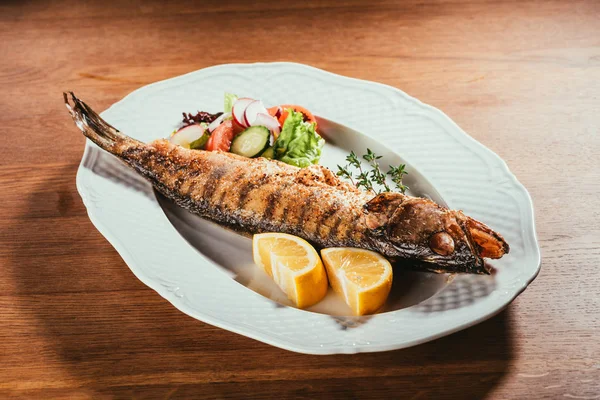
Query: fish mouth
{"points": [[485, 241]]}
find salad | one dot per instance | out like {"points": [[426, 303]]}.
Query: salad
{"points": [[246, 127]]}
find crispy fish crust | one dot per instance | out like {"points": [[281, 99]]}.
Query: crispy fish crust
{"points": [[261, 195]]}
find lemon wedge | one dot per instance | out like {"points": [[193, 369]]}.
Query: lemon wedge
{"points": [[362, 277], [293, 264]]}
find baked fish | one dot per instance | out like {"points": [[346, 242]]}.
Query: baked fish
{"points": [[255, 195]]}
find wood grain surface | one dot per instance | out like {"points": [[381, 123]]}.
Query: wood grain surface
{"points": [[522, 77]]}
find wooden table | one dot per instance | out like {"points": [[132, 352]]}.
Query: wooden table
{"points": [[521, 77]]}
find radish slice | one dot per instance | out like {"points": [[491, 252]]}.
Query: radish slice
{"points": [[267, 121], [239, 109], [213, 125], [187, 135], [253, 109]]}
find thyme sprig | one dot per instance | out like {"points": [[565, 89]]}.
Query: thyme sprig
{"points": [[397, 173], [376, 175], [373, 179]]}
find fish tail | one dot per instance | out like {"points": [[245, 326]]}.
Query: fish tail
{"points": [[94, 127]]}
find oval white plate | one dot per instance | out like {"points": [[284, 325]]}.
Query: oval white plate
{"points": [[195, 274]]}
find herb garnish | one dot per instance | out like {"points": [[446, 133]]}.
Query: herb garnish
{"points": [[373, 179], [396, 173]]}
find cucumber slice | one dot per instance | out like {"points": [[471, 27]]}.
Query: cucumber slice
{"points": [[268, 153], [251, 142]]}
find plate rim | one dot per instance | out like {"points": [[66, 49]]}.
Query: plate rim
{"points": [[278, 341]]}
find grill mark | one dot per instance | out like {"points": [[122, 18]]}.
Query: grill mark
{"points": [[249, 186], [197, 174], [176, 174], [175, 171], [284, 216], [212, 182], [192, 189], [239, 173], [334, 229], [326, 215], [273, 199], [244, 190], [305, 208]]}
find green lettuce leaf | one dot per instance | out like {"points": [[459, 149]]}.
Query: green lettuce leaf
{"points": [[230, 98], [298, 143]]}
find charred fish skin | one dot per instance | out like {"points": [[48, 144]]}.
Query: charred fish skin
{"points": [[260, 195], [265, 196]]}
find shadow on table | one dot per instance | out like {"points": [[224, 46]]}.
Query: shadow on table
{"points": [[114, 336], [467, 364]]}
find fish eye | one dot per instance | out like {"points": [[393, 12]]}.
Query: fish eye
{"points": [[442, 243]]}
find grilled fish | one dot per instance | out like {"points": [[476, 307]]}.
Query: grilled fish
{"points": [[261, 195]]}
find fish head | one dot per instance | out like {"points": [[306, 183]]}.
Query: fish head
{"points": [[419, 229]]}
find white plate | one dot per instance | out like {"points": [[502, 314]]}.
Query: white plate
{"points": [[206, 272]]}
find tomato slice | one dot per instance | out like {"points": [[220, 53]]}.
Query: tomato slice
{"points": [[308, 117], [275, 111], [221, 137]]}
